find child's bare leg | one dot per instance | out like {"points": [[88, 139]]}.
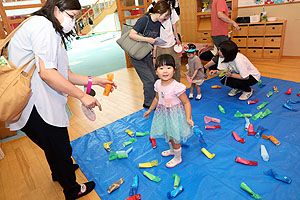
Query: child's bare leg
{"points": [[192, 91], [198, 89], [198, 92], [192, 87], [175, 146], [169, 152]]}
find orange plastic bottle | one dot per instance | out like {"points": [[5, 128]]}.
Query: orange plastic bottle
{"points": [[216, 86], [107, 88]]}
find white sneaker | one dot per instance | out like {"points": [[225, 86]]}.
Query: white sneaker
{"points": [[191, 96], [245, 95], [234, 92], [198, 97]]}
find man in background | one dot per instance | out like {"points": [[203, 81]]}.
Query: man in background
{"points": [[219, 28]]}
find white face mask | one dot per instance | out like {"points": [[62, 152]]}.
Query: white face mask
{"points": [[68, 24]]}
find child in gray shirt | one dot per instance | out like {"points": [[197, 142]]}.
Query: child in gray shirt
{"points": [[195, 70]]}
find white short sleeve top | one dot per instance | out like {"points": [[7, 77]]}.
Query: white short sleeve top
{"points": [[240, 65], [166, 30], [37, 37]]}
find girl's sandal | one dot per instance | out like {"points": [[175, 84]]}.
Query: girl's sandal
{"points": [[172, 163], [167, 153]]}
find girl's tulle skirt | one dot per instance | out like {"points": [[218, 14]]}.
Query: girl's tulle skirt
{"points": [[170, 123]]}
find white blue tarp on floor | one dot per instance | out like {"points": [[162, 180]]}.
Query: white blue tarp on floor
{"points": [[202, 178]]}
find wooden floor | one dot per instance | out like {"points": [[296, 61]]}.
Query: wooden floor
{"points": [[24, 173]]}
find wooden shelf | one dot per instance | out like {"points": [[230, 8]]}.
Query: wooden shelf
{"points": [[131, 7], [275, 4], [261, 39], [266, 22], [5, 132], [204, 25], [209, 13], [196, 25], [203, 13]]}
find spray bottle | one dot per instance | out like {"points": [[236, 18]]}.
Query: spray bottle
{"points": [[108, 87], [263, 15]]}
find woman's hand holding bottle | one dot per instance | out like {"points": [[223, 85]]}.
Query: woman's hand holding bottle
{"points": [[103, 81]]}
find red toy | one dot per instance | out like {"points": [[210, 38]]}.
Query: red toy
{"points": [[134, 197], [153, 142], [269, 2], [289, 91], [212, 126], [251, 130], [237, 137], [245, 162], [252, 102]]}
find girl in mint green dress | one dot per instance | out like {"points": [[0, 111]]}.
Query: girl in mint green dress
{"points": [[172, 117]]}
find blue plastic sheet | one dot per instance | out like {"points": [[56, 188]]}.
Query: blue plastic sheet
{"points": [[203, 178]]}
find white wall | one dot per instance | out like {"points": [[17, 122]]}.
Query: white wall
{"points": [[109, 23]]}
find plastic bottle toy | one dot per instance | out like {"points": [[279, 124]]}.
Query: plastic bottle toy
{"points": [[108, 87]]}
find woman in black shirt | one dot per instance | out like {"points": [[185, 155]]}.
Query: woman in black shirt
{"points": [[146, 29]]}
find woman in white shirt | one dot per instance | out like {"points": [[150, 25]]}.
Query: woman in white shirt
{"points": [[44, 119], [239, 72]]}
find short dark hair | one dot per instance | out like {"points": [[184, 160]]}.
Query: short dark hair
{"points": [[165, 59], [229, 50], [48, 11]]}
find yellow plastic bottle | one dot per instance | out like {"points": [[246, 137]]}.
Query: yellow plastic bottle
{"points": [[209, 155], [107, 88]]}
